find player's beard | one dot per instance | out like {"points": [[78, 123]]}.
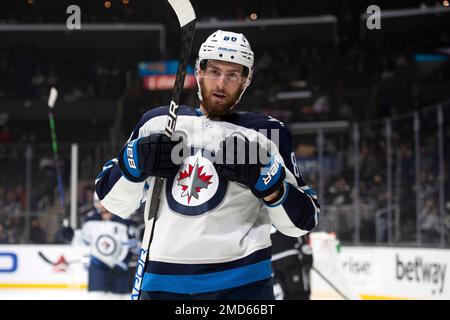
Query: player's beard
{"points": [[218, 109]]}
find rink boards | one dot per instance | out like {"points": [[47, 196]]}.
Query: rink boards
{"points": [[379, 272], [23, 267], [358, 272], [397, 273]]}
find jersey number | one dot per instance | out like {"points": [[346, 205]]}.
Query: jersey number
{"points": [[295, 165]]}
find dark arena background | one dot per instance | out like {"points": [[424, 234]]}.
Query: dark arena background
{"points": [[363, 86]]}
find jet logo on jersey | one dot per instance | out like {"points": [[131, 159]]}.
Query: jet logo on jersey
{"points": [[193, 180], [197, 188], [106, 245]]}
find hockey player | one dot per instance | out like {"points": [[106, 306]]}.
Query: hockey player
{"points": [[111, 240], [212, 232], [292, 261]]}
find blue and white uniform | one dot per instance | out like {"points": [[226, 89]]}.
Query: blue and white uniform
{"points": [[211, 234], [110, 241]]}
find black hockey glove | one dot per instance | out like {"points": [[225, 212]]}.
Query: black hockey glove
{"points": [[249, 163], [148, 156]]}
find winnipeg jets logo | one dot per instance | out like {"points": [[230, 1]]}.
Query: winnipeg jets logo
{"points": [[193, 180], [195, 186], [106, 245]]}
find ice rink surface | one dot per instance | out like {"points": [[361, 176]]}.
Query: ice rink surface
{"points": [[55, 294], [67, 294], [322, 292]]}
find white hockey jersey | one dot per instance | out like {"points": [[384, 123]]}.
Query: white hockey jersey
{"points": [[110, 241], [210, 233]]}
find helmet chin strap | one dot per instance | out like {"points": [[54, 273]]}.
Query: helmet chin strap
{"points": [[246, 84]]}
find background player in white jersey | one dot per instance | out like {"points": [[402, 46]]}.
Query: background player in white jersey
{"points": [[111, 240], [212, 233]]}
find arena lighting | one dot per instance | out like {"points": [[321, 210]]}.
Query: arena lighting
{"points": [[253, 16], [445, 3], [107, 4]]}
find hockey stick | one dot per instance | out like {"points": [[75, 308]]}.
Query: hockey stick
{"points": [[330, 283], [46, 259], [51, 104], [186, 18], [54, 263]]}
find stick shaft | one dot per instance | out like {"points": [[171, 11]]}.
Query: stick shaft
{"points": [[59, 180], [187, 23], [330, 283]]}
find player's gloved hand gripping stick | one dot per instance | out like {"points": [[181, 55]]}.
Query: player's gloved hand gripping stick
{"points": [[186, 18], [148, 156]]}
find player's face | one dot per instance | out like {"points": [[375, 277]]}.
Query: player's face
{"points": [[221, 84]]}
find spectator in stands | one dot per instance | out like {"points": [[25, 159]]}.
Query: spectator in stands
{"points": [[2, 200], [11, 204], [339, 192], [3, 235], [37, 234], [12, 229], [377, 194], [430, 223]]}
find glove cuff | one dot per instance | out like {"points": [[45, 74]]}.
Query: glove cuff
{"points": [[128, 162]]}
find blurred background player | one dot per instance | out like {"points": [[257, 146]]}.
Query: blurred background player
{"points": [[111, 240], [292, 261]]}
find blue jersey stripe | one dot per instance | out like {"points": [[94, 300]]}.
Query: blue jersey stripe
{"points": [[209, 282], [165, 268]]}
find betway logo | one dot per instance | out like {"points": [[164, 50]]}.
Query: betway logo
{"points": [[420, 271]]}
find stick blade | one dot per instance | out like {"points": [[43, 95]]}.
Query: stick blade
{"points": [[184, 11], [52, 97]]}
